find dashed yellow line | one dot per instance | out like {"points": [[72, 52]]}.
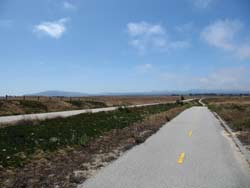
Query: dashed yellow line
{"points": [[190, 133], [182, 155], [181, 158]]}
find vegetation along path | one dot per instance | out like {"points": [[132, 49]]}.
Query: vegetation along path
{"points": [[65, 151]]}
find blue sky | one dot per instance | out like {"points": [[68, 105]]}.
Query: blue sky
{"points": [[123, 46]]}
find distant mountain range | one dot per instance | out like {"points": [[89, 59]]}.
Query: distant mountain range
{"points": [[53, 93], [150, 93]]}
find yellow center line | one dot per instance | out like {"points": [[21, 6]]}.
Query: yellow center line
{"points": [[181, 158], [190, 133]]}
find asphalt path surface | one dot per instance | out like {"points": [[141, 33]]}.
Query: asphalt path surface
{"points": [[191, 151]]}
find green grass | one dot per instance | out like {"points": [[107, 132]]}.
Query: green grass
{"points": [[26, 138]]}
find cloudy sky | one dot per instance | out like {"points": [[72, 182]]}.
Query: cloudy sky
{"points": [[124, 46]]}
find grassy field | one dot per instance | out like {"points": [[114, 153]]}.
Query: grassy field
{"points": [[48, 153], [236, 112], [27, 105], [19, 142], [15, 107]]}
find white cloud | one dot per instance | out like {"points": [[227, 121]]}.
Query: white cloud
{"points": [[225, 34], [144, 28], [244, 51], [201, 3], [69, 6], [148, 66], [185, 28], [151, 37], [227, 78], [144, 68], [179, 44], [54, 29], [221, 33]]}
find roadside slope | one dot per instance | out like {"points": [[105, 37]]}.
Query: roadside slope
{"points": [[50, 115]]}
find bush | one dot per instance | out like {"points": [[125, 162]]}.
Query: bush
{"points": [[179, 102], [89, 104]]}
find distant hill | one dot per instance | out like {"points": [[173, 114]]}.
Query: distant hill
{"points": [[177, 92], [53, 93], [218, 91]]}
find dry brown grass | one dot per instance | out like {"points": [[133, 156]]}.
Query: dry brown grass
{"points": [[132, 100], [236, 112], [17, 105], [229, 100]]}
